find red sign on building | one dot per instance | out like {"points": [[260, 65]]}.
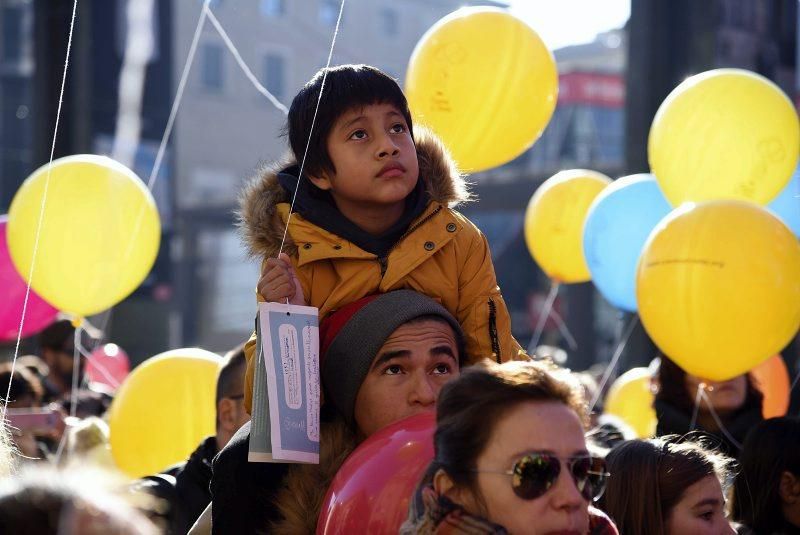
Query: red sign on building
{"points": [[591, 89]]}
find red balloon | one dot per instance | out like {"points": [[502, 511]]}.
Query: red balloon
{"points": [[39, 313], [371, 491], [109, 365]]}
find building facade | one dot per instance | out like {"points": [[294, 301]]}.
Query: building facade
{"points": [[225, 127]]}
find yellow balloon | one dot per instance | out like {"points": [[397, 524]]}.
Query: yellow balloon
{"points": [[485, 82], [554, 223], [163, 409], [724, 134], [631, 399], [99, 237], [718, 287]]}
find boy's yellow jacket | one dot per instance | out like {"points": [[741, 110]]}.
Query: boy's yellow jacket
{"points": [[442, 255]]}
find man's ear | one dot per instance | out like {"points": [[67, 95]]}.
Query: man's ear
{"points": [[789, 488], [322, 181]]}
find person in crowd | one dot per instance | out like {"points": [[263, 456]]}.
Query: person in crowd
{"points": [[35, 365], [44, 501], [383, 358], [665, 486], [766, 491], [57, 345], [510, 456], [26, 392], [185, 486], [732, 407], [373, 213]]}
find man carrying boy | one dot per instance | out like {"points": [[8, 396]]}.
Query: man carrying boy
{"points": [[373, 213]]}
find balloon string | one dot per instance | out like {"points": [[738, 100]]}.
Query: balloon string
{"points": [[313, 122], [178, 97], [795, 381], [242, 65], [612, 365], [696, 411], [41, 210], [564, 330], [544, 314], [173, 113], [718, 420], [102, 369]]}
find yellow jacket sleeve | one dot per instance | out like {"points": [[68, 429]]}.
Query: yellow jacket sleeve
{"points": [[482, 311]]}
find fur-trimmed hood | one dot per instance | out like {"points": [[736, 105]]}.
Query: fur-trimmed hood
{"points": [[262, 225]]}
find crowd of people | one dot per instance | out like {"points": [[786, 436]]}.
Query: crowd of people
{"points": [[412, 321]]}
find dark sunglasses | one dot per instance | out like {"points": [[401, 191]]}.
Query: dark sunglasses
{"points": [[536, 473]]}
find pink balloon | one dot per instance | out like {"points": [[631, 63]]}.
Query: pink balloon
{"points": [[39, 313], [109, 365], [372, 490]]}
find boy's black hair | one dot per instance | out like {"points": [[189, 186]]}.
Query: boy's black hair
{"points": [[346, 87]]}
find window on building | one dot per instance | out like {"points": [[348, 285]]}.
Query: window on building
{"points": [[389, 22], [275, 75], [12, 34], [211, 67], [328, 12], [273, 8]]}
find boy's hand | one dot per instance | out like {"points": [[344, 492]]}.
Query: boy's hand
{"points": [[279, 282]]}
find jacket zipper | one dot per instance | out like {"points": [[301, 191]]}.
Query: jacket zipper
{"points": [[493, 329], [384, 260]]}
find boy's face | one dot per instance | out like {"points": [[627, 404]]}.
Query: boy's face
{"points": [[374, 156]]}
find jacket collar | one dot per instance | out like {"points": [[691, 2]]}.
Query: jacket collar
{"points": [[263, 203]]}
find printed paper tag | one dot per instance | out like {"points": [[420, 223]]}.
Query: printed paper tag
{"points": [[290, 345]]}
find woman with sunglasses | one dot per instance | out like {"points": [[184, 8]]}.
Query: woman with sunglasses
{"points": [[667, 486], [510, 457]]}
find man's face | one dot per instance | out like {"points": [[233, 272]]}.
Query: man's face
{"points": [[407, 374]]}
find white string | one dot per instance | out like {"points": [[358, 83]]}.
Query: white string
{"points": [[102, 369], [718, 420], [696, 411], [313, 122], [41, 209], [612, 365], [543, 315], [564, 330], [247, 72], [61, 444], [178, 97], [794, 382]]}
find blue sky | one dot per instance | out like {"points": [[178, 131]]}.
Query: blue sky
{"points": [[566, 22]]}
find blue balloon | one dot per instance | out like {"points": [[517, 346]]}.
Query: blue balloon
{"points": [[787, 204], [616, 229]]}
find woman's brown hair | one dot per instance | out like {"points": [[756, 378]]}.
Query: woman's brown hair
{"points": [[470, 406], [649, 477]]}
